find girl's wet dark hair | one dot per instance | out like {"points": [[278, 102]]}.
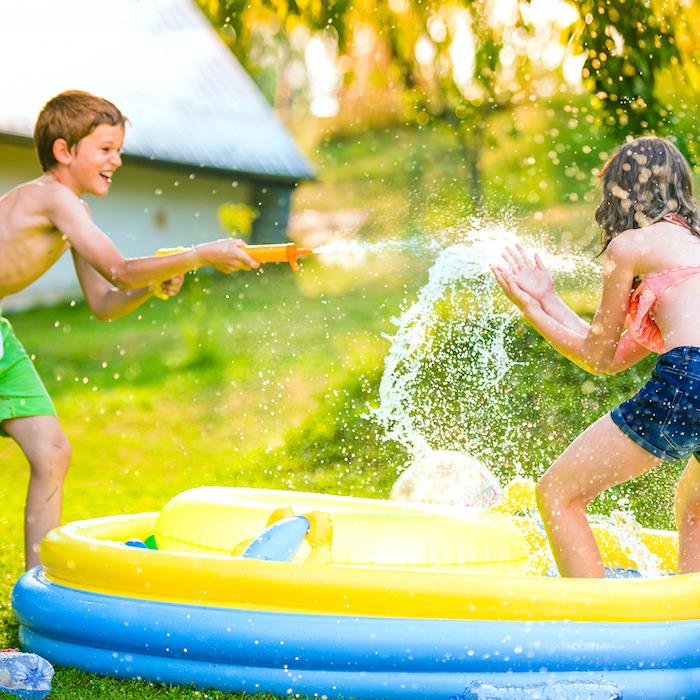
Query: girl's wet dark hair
{"points": [[647, 178]]}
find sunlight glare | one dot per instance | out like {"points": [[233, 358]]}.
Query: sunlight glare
{"points": [[462, 49], [424, 51], [324, 77]]}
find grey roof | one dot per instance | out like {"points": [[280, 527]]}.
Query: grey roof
{"points": [[188, 99]]}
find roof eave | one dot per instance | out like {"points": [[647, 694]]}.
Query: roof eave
{"points": [[291, 180]]}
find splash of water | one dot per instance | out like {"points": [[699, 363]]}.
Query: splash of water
{"points": [[443, 383], [353, 253], [624, 528], [620, 526]]}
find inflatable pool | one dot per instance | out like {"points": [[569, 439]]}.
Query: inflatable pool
{"points": [[325, 596]]}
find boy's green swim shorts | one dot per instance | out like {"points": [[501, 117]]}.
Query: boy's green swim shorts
{"points": [[22, 393]]}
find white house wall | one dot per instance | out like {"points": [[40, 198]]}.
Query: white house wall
{"points": [[148, 207]]}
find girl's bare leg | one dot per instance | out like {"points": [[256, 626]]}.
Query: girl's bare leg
{"points": [[687, 508], [46, 447], [599, 458]]}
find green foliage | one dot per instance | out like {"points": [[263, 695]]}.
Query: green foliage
{"points": [[237, 219], [627, 44], [538, 158], [339, 449], [460, 64]]}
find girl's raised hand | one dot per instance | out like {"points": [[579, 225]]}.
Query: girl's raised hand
{"points": [[529, 272], [517, 294]]}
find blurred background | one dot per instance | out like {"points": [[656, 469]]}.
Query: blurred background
{"points": [[384, 132], [471, 106]]}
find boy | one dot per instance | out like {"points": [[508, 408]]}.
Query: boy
{"points": [[78, 138]]}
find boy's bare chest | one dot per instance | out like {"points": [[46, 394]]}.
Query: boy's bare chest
{"points": [[26, 253]]}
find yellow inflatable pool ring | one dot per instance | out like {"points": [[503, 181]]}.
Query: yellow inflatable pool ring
{"points": [[366, 532]]}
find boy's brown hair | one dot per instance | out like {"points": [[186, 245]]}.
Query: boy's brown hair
{"points": [[72, 115]]}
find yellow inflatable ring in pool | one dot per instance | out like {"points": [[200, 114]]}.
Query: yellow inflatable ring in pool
{"points": [[366, 532], [90, 555]]}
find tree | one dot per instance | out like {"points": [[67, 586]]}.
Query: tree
{"points": [[450, 62], [456, 63], [627, 44]]}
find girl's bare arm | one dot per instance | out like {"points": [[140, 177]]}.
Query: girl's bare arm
{"points": [[627, 354], [559, 310], [597, 347]]}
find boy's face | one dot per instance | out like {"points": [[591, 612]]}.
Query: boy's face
{"points": [[95, 159]]}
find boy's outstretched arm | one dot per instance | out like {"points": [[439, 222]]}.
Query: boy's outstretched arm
{"points": [[69, 215], [106, 301]]}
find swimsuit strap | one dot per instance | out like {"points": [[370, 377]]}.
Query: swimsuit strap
{"points": [[675, 218], [672, 277]]}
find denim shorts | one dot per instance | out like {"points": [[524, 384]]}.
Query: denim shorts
{"points": [[663, 417]]}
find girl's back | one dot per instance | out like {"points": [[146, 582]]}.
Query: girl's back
{"points": [[666, 249]]}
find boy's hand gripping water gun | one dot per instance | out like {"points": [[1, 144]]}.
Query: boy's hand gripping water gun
{"points": [[273, 252]]}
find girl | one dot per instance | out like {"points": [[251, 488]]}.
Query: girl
{"points": [[651, 282]]}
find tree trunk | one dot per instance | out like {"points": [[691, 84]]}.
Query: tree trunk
{"points": [[470, 138], [474, 163], [471, 141]]}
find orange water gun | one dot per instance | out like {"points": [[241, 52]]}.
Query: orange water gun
{"points": [[278, 252], [272, 252]]}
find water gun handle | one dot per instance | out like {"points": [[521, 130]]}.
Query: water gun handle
{"points": [[277, 252], [156, 288]]}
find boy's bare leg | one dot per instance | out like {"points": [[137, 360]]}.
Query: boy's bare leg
{"points": [[687, 507], [43, 442], [599, 458]]}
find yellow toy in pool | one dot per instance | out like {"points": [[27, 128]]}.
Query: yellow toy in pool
{"points": [[365, 532]]}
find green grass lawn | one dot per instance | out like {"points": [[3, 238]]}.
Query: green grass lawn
{"points": [[204, 389], [263, 379]]}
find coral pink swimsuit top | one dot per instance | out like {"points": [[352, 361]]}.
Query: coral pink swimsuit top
{"points": [[640, 314]]}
